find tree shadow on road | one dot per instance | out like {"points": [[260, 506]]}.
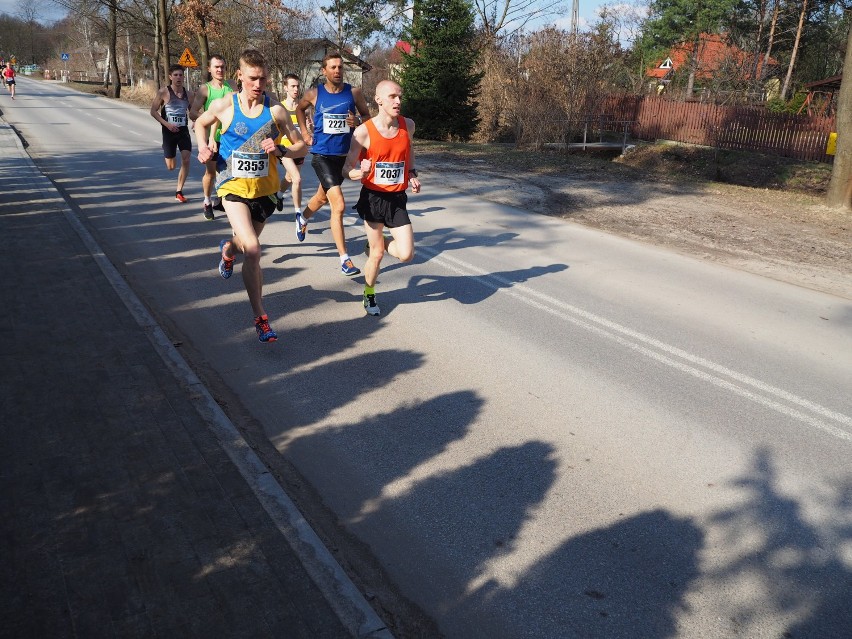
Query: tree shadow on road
{"points": [[793, 567]]}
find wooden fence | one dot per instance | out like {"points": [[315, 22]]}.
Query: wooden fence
{"points": [[727, 127]]}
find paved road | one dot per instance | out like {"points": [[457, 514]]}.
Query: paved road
{"points": [[550, 432]]}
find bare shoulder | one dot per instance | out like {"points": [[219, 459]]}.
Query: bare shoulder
{"points": [[161, 96], [409, 124], [221, 104], [279, 113], [362, 134], [309, 98]]}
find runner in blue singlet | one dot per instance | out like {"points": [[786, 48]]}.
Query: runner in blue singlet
{"points": [[338, 108]]}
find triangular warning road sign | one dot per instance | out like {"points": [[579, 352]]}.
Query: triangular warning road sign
{"points": [[186, 60]]}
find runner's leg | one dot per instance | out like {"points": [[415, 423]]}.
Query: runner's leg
{"points": [[402, 244], [247, 242]]}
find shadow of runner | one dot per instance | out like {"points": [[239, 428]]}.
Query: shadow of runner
{"points": [[467, 289], [627, 580]]}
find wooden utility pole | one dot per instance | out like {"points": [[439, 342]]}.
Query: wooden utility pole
{"points": [[840, 187], [164, 38]]}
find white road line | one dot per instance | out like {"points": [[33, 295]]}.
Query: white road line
{"points": [[618, 333]]}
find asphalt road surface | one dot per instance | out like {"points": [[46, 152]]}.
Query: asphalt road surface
{"points": [[549, 432]]}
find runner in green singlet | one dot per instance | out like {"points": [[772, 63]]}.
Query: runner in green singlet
{"points": [[217, 87]]}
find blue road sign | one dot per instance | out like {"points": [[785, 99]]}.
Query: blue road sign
{"points": [[65, 56]]}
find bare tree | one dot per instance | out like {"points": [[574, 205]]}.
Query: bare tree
{"points": [[503, 17], [163, 36], [840, 187], [786, 85]]}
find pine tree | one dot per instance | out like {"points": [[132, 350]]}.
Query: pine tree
{"points": [[439, 77]]}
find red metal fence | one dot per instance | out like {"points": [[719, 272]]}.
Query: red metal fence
{"points": [[728, 127]]}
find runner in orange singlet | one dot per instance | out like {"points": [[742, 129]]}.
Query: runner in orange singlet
{"points": [[381, 156]]}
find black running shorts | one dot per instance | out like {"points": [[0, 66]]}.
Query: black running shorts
{"points": [[381, 207], [259, 207], [174, 141], [329, 169]]}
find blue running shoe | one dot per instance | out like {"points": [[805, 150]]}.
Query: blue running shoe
{"points": [[226, 266], [264, 332], [349, 269], [301, 227]]}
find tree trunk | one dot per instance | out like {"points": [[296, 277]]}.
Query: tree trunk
{"points": [[840, 187], [113, 49], [694, 59], [158, 67], [129, 61], [795, 50], [204, 51], [164, 38], [771, 35], [761, 19], [107, 66]]}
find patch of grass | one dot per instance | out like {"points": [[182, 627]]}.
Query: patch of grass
{"points": [[669, 162]]}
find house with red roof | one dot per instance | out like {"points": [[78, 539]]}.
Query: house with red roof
{"points": [[395, 58], [714, 55]]}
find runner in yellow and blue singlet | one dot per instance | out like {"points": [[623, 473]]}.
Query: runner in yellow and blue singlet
{"points": [[247, 177]]}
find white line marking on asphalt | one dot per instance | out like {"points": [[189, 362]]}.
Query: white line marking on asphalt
{"points": [[618, 333]]}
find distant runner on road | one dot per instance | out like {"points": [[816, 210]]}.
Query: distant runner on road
{"points": [[247, 171], [171, 109], [381, 156], [9, 78], [216, 88], [293, 178]]}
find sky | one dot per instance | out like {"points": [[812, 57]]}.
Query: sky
{"points": [[50, 11], [47, 11]]}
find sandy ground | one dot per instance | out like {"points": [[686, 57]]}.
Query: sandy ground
{"points": [[789, 237]]}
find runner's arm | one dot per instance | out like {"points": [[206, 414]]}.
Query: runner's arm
{"points": [[302, 107], [205, 123], [361, 104], [413, 180], [155, 111], [355, 168], [298, 148], [197, 104]]}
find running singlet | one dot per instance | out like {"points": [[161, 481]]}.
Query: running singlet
{"points": [[244, 168], [331, 135], [176, 109], [212, 94], [292, 115], [391, 159]]}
